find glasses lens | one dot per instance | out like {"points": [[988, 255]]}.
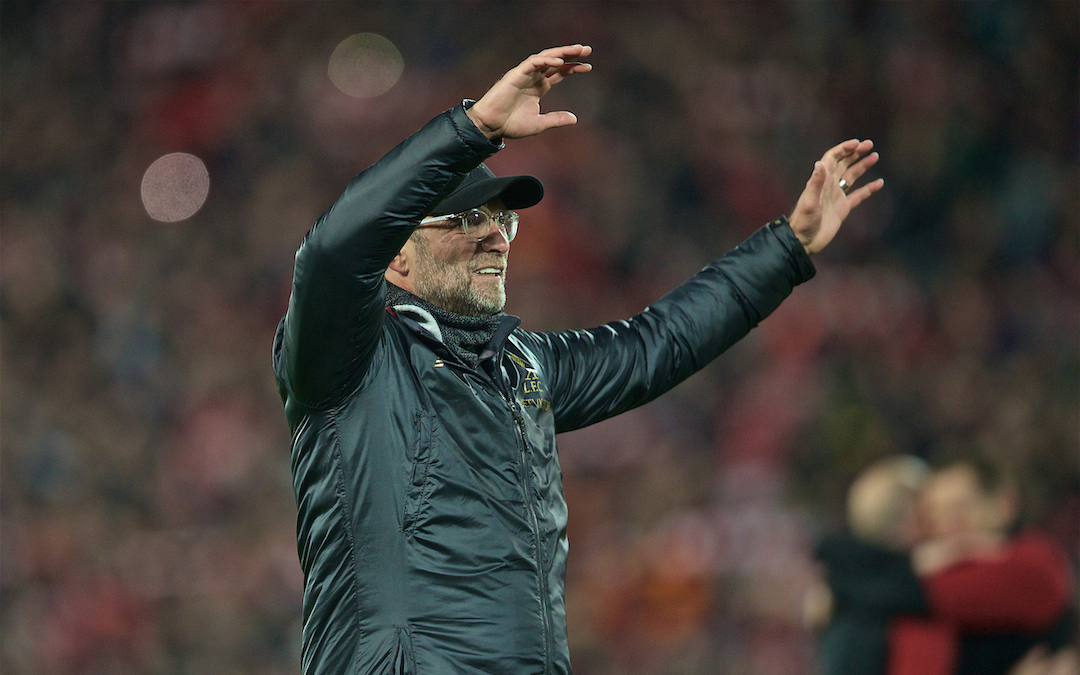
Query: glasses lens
{"points": [[474, 223], [477, 224], [508, 223]]}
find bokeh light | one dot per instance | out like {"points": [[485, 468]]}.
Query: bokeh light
{"points": [[365, 65], [175, 187]]}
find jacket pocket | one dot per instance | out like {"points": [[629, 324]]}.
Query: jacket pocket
{"points": [[404, 657], [418, 487]]}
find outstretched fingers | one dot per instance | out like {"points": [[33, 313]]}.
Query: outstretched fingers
{"points": [[557, 74], [840, 151], [555, 57], [846, 153], [848, 161], [567, 51], [829, 197], [856, 170], [510, 108], [536, 64], [551, 64], [859, 196]]}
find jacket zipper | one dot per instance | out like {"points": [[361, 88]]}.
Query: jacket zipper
{"points": [[534, 522], [541, 576]]}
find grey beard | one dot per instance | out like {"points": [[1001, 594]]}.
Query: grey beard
{"points": [[467, 301], [451, 288]]}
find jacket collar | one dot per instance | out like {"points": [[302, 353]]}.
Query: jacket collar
{"points": [[422, 322]]}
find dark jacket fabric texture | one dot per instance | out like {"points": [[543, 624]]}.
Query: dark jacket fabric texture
{"points": [[431, 519]]}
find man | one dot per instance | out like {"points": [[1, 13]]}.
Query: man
{"points": [[868, 571], [993, 593], [432, 523]]}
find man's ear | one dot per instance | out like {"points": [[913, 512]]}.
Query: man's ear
{"points": [[400, 268], [397, 272], [400, 263]]}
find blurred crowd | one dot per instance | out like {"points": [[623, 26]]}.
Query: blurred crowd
{"points": [[146, 510]]}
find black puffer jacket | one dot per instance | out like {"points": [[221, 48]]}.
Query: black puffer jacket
{"points": [[432, 523]]}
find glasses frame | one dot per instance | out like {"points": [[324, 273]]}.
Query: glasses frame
{"points": [[508, 228]]}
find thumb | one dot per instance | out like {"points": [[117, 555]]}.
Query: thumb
{"points": [[561, 118], [814, 185]]}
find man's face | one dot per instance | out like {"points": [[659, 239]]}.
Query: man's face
{"points": [[954, 503], [458, 274]]}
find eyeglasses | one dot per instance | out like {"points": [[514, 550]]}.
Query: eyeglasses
{"points": [[476, 224]]}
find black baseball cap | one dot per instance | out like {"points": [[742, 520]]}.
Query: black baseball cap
{"points": [[481, 186]]}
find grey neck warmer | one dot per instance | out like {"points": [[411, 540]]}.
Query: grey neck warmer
{"points": [[465, 336]]}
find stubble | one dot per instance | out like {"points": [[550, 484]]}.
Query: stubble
{"points": [[452, 286]]}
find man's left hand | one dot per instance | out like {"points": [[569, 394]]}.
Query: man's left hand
{"points": [[827, 201]]}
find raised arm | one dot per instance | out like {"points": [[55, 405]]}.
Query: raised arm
{"points": [[336, 310], [598, 373], [604, 371], [337, 305]]}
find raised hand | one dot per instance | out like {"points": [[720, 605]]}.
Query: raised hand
{"points": [[826, 202], [511, 108]]}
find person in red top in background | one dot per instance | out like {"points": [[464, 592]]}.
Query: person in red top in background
{"points": [[992, 598]]}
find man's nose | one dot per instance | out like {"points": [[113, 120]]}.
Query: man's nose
{"points": [[495, 241]]}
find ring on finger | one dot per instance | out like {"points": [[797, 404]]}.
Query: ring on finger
{"points": [[844, 185]]}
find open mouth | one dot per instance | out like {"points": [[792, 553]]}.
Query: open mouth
{"points": [[489, 272]]}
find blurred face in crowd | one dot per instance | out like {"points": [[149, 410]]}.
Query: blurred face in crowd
{"points": [[882, 502], [955, 503], [456, 272]]}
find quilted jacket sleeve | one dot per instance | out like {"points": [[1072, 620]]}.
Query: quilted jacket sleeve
{"points": [[598, 373], [336, 309]]}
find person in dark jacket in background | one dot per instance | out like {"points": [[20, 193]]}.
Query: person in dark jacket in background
{"points": [[431, 518], [868, 573]]}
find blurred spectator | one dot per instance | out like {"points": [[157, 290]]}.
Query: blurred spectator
{"points": [[981, 599], [868, 569], [992, 593], [1040, 661]]}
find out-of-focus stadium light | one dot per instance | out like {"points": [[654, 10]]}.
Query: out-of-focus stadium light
{"points": [[365, 65], [175, 187]]}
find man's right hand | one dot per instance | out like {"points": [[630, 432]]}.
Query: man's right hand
{"points": [[511, 108]]}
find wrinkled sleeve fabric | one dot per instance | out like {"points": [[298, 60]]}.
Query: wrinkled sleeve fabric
{"points": [[598, 373], [332, 326]]}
